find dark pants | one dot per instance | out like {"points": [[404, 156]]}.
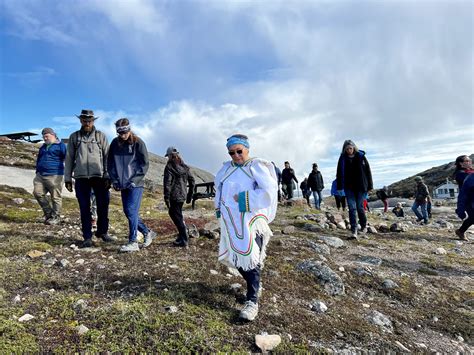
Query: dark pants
{"points": [[340, 201], [131, 200], [355, 201], [176, 214], [288, 190], [83, 194], [252, 277], [469, 221]]}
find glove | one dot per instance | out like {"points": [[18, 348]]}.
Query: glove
{"points": [[167, 203], [68, 186], [218, 213], [116, 186], [189, 198], [461, 214], [107, 184]]}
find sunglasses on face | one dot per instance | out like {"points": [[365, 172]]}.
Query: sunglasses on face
{"points": [[233, 152]]}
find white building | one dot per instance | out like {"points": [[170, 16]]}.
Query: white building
{"points": [[447, 190]]}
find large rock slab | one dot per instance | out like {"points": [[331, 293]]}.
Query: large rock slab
{"points": [[334, 242], [324, 275]]}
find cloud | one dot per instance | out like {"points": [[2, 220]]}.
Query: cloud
{"points": [[32, 78]]}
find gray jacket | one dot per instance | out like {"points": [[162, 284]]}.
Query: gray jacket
{"points": [[127, 163], [86, 155]]}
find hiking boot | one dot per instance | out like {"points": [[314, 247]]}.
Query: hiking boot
{"points": [[87, 243], [363, 230], [129, 247], [149, 238], [460, 234], [353, 236], [250, 311], [52, 221], [107, 238]]}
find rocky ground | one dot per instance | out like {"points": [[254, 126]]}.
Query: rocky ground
{"points": [[403, 287]]}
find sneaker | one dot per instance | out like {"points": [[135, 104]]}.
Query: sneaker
{"points": [[87, 243], [107, 238], [353, 236], [53, 221], [149, 238], [364, 230], [250, 311], [129, 247], [460, 234], [180, 244]]}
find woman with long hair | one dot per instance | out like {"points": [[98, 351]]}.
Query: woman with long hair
{"points": [[463, 169], [178, 185], [127, 164]]}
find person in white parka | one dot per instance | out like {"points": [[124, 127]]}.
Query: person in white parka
{"points": [[246, 202]]}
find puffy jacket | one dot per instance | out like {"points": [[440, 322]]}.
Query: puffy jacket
{"points": [[421, 192], [315, 181], [86, 155], [354, 173], [466, 197], [50, 159], [127, 163], [175, 181]]}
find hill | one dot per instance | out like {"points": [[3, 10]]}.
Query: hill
{"points": [[432, 177], [23, 155]]}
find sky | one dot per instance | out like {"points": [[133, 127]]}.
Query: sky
{"points": [[298, 77]]}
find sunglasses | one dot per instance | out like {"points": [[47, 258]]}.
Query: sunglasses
{"points": [[233, 152]]}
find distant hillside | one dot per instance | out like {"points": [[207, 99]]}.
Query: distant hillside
{"points": [[23, 155], [433, 177]]}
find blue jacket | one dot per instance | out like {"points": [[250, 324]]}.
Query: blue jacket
{"points": [[466, 197], [334, 191], [50, 159]]}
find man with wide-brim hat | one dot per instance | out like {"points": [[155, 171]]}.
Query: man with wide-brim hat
{"points": [[86, 162]]}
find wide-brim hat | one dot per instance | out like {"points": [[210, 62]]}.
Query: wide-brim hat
{"points": [[87, 114]]}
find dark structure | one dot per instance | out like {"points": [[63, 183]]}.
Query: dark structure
{"points": [[25, 136], [209, 191]]}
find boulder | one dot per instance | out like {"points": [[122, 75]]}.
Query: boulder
{"points": [[380, 320], [318, 306], [319, 248], [312, 227], [289, 230], [389, 284], [193, 232], [334, 242], [323, 274], [267, 342], [372, 260]]}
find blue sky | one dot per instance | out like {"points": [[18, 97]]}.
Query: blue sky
{"points": [[298, 77]]}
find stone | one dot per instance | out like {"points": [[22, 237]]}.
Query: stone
{"points": [[312, 227], [50, 262], [389, 284], [318, 306], [18, 200], [372, 230], [334, 242], [326, 277], [64, 263], [372, 260], [267, 342], [171, 309], [33, 254], [235, 287], [380, 320], [80, 261], [214, 272], [398, 227], [193, 232], [25, 318], [440, 251], [80, 305], [233, 271], [363, 271], [401, 347], [17, 299], [383, 228], [173, 266], [212, 226], [82, 329], [289, 230], [320, 248], [444, 224], [341, 225]]}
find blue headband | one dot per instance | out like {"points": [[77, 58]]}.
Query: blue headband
{"points": [[237, 140]]}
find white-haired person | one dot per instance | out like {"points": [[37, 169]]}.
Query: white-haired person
{"points": [[246, 202]]}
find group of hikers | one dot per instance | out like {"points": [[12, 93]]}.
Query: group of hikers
{"points": [[247, 192]]}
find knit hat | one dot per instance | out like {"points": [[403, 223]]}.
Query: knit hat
{"points": [[170, 151], [47, 130]]}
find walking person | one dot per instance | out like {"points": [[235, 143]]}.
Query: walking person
{"points": [[463, 169], [287, 178], [339, 196], [421, 195], [86, 162], [178, 184], [127, 164], [49, 176], [245, 204], [305, 190], [382, 194], [355, 179], [465, 206], [316, 184]]}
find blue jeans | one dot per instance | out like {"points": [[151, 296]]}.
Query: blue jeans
{"points": [[131, 200], [102, 195], [355, 201], [424, 213], [317, 199]]}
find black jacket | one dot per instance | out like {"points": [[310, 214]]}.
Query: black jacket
{"points": [[315, 181], [354, 173], [175, 183], [287, 175]]}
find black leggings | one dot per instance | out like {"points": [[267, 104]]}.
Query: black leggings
{"points": [[176, 214]]}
